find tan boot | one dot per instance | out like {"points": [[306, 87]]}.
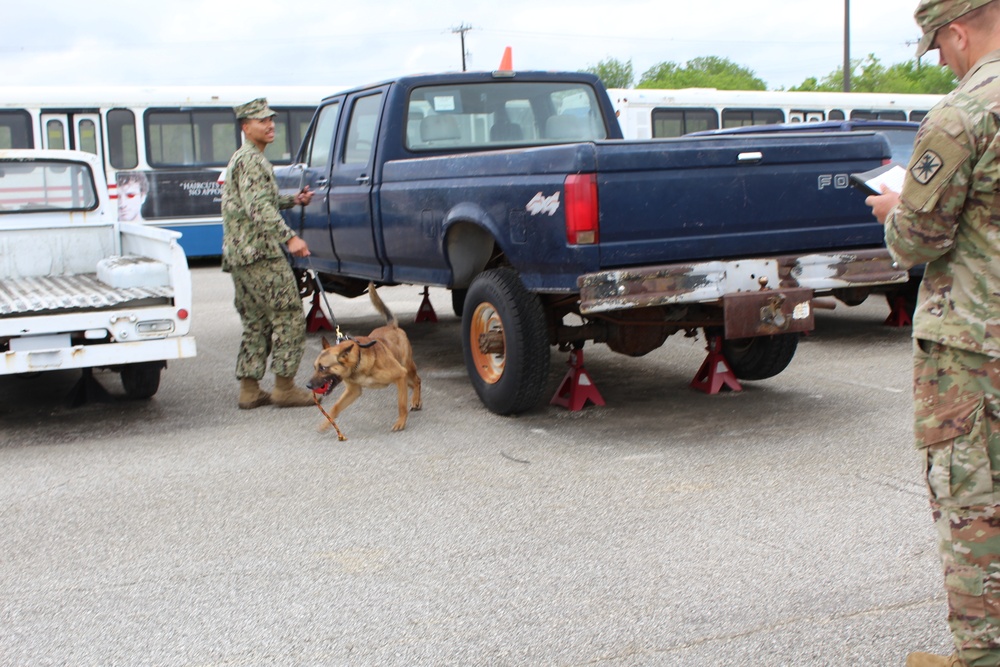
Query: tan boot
{"points": [[287, 395], [251, 395], [931, 660]]}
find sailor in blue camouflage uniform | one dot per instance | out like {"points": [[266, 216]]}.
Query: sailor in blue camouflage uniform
{"points": [[948, 215], [267, 296]]}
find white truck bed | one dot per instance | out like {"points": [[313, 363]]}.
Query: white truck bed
{"points": [[50, 294]]}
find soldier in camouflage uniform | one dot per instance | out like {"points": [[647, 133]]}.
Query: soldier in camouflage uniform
{"points": [[947, 216], [267, 296]]}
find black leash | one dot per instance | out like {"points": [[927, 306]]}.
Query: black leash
{"points": [[331, 316]]}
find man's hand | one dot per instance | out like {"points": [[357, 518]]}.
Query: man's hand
{"points": [[303, 197], [298, 247], [883, 204]]}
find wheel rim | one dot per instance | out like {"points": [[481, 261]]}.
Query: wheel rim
{"points": [[489, 363]]}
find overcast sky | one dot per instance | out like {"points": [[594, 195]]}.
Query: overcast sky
{"points": [[328, 42]]}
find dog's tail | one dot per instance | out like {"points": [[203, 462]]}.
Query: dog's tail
{"points": [[390, 319]]}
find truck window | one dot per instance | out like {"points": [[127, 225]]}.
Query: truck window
{"points": [[361, 131], [47, 186], [496, 114], [321, 142]]}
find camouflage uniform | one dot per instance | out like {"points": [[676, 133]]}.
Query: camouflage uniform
{"points": [[947, 217], [267, 297]]}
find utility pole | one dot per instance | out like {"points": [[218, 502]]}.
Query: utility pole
{"points": [[847, 46], [461, 30]]}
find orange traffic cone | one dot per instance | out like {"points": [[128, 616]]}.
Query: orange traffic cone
{"points": [[507, 62]]}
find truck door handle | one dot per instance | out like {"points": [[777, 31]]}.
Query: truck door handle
{"points": [[322, 183], [363, 178], [755, 156]]}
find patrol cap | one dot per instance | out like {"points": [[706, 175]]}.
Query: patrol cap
{"points": [[931, 15], [254, 109]]}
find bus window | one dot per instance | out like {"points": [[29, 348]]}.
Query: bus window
{"points": [[195, 138], [121, 139], [805, 116], [289, 128], [875, 114], [742, 117], [677, 122], [55, 132], [917, 116], [15, 130], [88, 136], [836, 114]]}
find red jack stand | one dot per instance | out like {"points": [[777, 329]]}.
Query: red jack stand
{"points": [[577, 387], [425, 313], [316, 319], [899, 314], [715, 371]]}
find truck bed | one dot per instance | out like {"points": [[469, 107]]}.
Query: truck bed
{"points": [[82, 292]]}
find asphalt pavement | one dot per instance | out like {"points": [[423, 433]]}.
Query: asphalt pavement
{"points": [[786, 524]]}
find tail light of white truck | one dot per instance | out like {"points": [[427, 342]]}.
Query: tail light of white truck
{"points": [[582, 218]]}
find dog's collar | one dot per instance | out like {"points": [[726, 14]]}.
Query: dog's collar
{"points": [[361, 346]]}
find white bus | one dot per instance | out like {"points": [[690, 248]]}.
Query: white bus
{"points": [[655, 113], [162, 147]]}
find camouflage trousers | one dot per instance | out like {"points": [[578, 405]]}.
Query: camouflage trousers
{"points": [[274, 325], [957, 426]]}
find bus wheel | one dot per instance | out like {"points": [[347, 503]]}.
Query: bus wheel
{"points": [[141, 380], [760, 357], [505, 341]]}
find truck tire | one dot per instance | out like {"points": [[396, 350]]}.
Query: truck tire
{"points": [[141, 380], [510, 368], [761, 357]]}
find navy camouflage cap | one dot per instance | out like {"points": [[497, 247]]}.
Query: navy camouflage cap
{"points": [[931, 15], [254, 109]]}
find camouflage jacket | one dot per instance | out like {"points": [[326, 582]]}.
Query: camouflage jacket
{"points": [[948, 216], [252, 227]]}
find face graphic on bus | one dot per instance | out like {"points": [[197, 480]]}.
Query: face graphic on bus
{"points": [[130, 200]]}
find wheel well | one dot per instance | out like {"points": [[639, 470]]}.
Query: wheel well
{"points": [[470, 249]]}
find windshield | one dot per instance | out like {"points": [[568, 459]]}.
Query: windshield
{"points": [[41, 185], [901, 143], [493, 115]]}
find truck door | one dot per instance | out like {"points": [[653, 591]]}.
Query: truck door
{"points": [[351, 206], [314, 225]]}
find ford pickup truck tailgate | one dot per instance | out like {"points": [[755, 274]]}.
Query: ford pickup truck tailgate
{"points": [[698, 198]]}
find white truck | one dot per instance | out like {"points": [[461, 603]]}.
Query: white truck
{"points": [[78, 288]]}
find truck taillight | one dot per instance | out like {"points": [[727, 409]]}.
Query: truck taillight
{"points": [[581, 209]]}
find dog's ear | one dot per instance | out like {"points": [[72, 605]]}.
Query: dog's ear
{"points": [[345, 354], [326, 343]]}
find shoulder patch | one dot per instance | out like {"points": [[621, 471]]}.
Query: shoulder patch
{"points": [[926, 167]]}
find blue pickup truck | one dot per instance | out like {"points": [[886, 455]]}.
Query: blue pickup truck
{"points": [[517, 192]]}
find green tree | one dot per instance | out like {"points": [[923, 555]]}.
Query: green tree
{"points": [[703, 72], [871, 76], [613, 73]]}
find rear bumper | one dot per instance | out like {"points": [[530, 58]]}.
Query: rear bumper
{"points": [[705, 282], [97, 356]]}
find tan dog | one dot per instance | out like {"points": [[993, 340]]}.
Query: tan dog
{"points": [[375, 361]]}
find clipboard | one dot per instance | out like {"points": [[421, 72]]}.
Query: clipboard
{"points": [[870, 182]]}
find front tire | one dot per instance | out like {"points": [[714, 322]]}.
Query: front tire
{"points": [[760, 357], [505, 341]]}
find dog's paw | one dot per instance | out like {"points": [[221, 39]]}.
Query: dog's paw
{"points": [[322, 427], [416, 406], [399, 425]]}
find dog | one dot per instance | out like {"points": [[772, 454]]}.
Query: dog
{"points": [[375, 361]]}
